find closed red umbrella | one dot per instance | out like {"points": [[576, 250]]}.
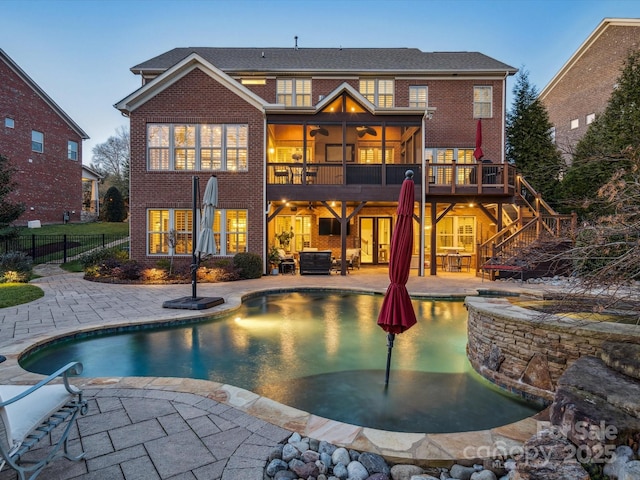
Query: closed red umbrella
{"points": [[396, 314], [478, 153]]}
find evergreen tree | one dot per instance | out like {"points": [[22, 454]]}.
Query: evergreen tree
{"points": [[9, 211], [601, 152], [113, 208], [529, 143]]}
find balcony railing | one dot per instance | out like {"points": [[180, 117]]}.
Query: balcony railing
{"points": [[442, 177]]}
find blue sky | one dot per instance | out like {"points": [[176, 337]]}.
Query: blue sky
{"points": [[80, 51]]}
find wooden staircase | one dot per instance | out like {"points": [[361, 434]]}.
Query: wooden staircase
{"points": [[533, 236]]}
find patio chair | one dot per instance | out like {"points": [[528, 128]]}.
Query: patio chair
{"points": [[30, 413]]}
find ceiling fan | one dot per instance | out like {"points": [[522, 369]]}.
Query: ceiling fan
{"points": [[318, 130], [364, 130]]}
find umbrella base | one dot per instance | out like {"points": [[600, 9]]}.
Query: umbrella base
{"points": [[193, 303]]}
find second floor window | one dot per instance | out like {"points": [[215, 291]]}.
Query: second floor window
{"points": [[72, 150], [418, 96], [37, 141], [378, 91], [482, 102], [294, 92], [209, 147]]}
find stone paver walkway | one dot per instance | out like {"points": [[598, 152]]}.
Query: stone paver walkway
{"points": [[168, 428]]}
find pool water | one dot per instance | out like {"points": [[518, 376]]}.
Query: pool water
{"points": [[320, 352]]}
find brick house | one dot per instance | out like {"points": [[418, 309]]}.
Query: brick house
{"points": [[582, 87], [316, 142], [45, 145]]}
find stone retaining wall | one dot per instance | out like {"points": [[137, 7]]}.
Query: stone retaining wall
{"points": [[525, 351]]}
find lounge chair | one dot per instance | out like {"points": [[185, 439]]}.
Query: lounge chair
{"points": [[30, 413]]}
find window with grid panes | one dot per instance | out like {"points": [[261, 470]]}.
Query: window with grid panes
{"points": [[482, 102], [294, 92], [184, 231], [184, 147], [418, 96], [465, 238], [160, 222], [236, 231], [158, 147], [378, 91], [210, 147], [465, 175], [236, 151], [72, 150], [37, 141], [197, 147], [374, 155]]}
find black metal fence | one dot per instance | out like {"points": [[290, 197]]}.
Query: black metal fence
{"points": [[60, 248]]}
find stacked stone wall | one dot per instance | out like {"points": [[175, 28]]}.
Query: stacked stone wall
{"points": [[525, 351]]}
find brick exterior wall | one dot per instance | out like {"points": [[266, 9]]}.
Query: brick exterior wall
{"points": [[453, 124], [196, 98], [48, 183], [586, 87]]}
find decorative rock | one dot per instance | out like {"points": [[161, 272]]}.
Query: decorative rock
{"points": [[295, 438], [357, 471], [306, 470], [296, 462], [340, 471], [461, 472], [314, 444], [353, 454], [379, 476], [341, 456], [275, 466], [326, 447], [322, 467], [374, 463], [630, 471], [545, 458], [422, 477], [309, 456], [484, 475], [325, 458], [289, 452], [404, 472], [286, 475], [622, 455], [301, 446]]}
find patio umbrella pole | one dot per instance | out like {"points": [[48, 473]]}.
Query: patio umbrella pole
{"points": [[201, 243], [194, 258], [390, 338]]}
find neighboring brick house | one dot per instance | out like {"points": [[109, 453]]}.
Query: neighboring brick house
{"points": [[45, 145], [312, 140], [582, 87]]}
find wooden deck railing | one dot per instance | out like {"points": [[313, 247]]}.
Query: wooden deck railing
{"points": [[442, 178]]}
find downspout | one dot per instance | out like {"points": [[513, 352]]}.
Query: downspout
{"points": [[504, 118], [265, 266], [422, 196]]}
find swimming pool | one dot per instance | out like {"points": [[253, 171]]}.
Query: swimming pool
{"points": [[321, 352]]}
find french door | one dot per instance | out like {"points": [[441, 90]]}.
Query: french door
{"points": [[375, 239]]}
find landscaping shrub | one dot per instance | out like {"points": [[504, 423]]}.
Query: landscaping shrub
{"points": [[249, 265], [129, 270], [15, 267], [98, 257]]}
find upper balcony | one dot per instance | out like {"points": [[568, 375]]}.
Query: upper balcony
{"points": [[378, 182]]}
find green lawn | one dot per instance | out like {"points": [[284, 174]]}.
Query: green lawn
{"points": [[92, 228], [12, 294]]}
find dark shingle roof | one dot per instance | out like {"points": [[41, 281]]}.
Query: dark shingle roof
{"points": [[392, 60]]}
